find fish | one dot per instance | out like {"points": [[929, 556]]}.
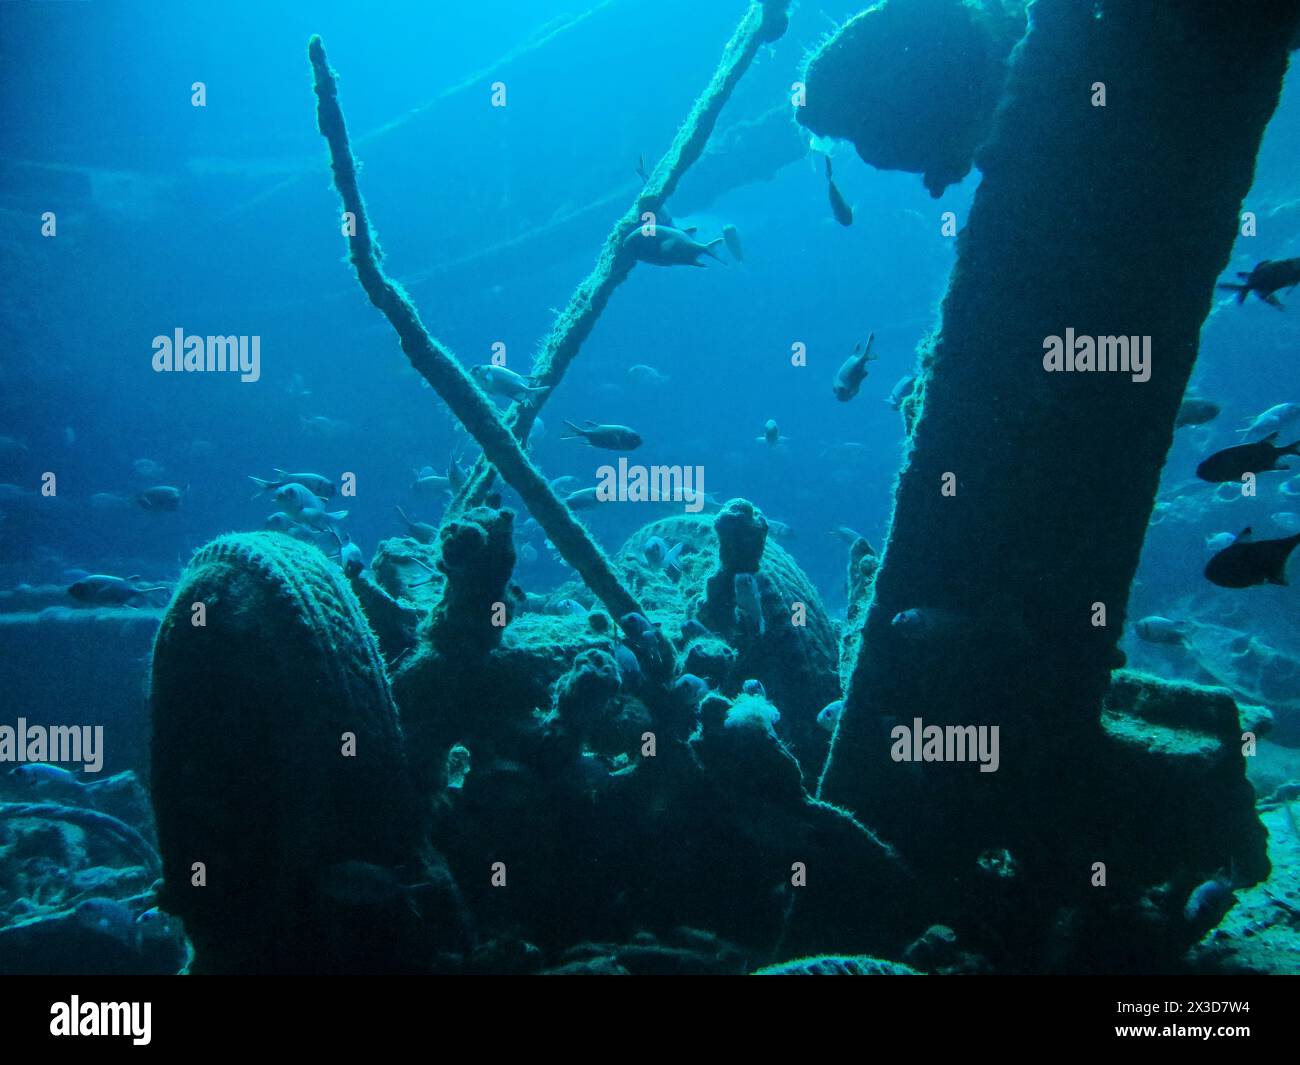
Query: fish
{"points": [[296, 386], [665, 245], [732, 239], [1247, 562], [1209, 902], [901, 391], [923, 623], [102, 589], [582, 499], [771, 434], [527, 553], [418, 530], [839, 206], [847, 536], [429, 484], [565, 608], [1219, 541], [321, 521], [608, 437], [326, 428], [279, 522], [829, 715], [629, 668], [162, 497], [693, 687], [655, 550], [1156, 629], [779, 530], [1267, 278], [148, 469], [318, 484], [350, 556], [754, 687], [672, 560], [109, 501], [694, 629], [108, 917], [1287, 519], [498, 381], [749, 604], [643, 373], [1290, 487], [1196, 411], [357, 883], [853, 372], [295, 498], [1233, 463], [1275, 419], [456, 477], [637, 628]]}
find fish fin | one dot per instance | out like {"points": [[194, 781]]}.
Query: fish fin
{"points": [[710, 246], [691, 230], [1271, 300], [828, 166], [1245, 536], [336, 515], [1270, 438]]}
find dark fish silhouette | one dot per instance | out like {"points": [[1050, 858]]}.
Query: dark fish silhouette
{"points": [[162, 497], [1267, 278], [1233, 463], [853, 372], [419, 530], [1247, 561], [839, 205], [666, 246], [609, 437], [1196, 411]]}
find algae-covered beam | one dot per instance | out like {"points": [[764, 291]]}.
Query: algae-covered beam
{"points": [[432, 361], [764, 21], [1112, 184]]}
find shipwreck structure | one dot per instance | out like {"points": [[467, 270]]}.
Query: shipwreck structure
{"points": [[640, 786]]}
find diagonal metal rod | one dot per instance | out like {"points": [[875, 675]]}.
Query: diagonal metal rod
{"points": [[437, 366], [764, 21]]}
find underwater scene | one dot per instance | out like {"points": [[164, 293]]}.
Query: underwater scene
{"points": [[616, 487]]}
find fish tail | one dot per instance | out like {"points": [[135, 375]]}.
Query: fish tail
{"points": [[1278, 576], [576, 433], [1240, 290], [711, 247]]}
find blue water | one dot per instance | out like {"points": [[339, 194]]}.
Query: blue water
{"points": [[222, 219]]}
